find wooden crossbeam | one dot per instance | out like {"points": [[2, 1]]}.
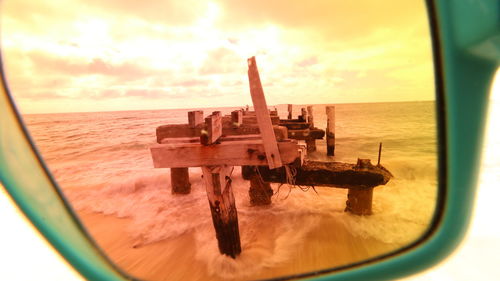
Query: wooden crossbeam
{"points": [[184, 131], [262, 113], [221, 139], [234, 153]]}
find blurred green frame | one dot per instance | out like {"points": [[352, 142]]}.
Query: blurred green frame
{"points": [[466, 43]]}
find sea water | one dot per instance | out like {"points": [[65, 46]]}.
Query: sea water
{"points": [[102, 162]]}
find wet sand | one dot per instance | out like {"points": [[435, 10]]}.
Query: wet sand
{"points": [[327, 245]]}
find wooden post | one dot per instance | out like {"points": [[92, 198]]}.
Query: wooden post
{"points": [[266, 128], [359, 201], [179, 179], [290, 108], [330, 131], [310, 119], [260, 191], [214, 129], [223, 208], [195, 118], [310, 142], [236, 118], [379, 153], [303, 115]]}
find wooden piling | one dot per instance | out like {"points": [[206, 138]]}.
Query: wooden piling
{"points": [[290, 108], [379, 153], [195, 118], [213, 131], [330, 131], [236, 118], [260, 191], [303, 115], [359, 201], [179, 179], [310, 142], [223, 208]]}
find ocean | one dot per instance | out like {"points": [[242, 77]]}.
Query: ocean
{"points": [[102, 162]]}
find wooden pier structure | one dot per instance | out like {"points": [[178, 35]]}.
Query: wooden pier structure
{"points": [[267, 148]]}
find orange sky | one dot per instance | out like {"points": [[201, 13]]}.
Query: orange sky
{"points": [[92, 55]]}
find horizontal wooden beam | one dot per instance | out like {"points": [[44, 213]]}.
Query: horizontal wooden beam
{"points": [[221, 139], [234, 153], [184, 131], [362, 175], [306, 134]]}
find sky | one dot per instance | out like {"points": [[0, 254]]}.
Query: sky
{"points": [[92, 55]]}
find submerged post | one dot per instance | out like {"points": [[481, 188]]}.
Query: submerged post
{"points": [[330, 131], [223, 208], [359, 201], [290, 107], [179, 179], [260, 192]]}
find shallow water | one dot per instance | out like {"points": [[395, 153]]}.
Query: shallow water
{"points": [[102, 163]]}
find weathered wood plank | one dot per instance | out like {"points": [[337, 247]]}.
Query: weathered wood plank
{"points": [[221, 139], [235, 153], [294, 125], [259, 103], [223, 208], [195, 118], [306, 134], [358, 176], [183, 131]]}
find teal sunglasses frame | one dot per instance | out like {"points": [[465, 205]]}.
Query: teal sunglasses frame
{"points": [[466, 48]]}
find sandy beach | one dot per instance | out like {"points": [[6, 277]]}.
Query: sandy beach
{"points": [[328, 245]]}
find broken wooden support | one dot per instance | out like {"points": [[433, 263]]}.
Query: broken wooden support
{"points": [[213, 131], [294, 124], [306, 134], [335, 174], [359, 201], [195, 118], [236, 118], [223, 208], [179, 180], [259, 103], [260, 192], [330, 131], [235, 153], [290, 108]]}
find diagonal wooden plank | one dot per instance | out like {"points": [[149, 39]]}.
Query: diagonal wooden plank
{"points": [[263, 118]]}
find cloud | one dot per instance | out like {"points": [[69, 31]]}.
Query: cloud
{"points": [[222, 61], [307, 62], [335, 19]]}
